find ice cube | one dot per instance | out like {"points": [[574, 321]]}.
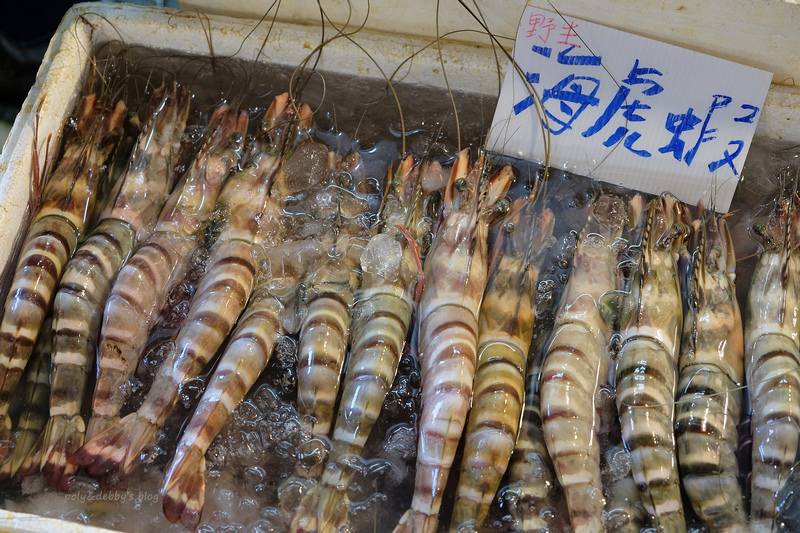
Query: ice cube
{"points": [[382, 257]]}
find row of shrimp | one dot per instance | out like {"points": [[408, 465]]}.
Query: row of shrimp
{"points": [[643, 372], [678, 371]]}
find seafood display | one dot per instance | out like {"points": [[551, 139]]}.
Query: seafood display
{"points": [[368, 338]]}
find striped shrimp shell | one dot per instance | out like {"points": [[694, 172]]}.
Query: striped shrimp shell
{"points": [[711, 375], [455, 278], [772, 352], [82, 293], [505, 323], [245, 358], [381, 318], [221, 296], [646, 371], [34, 408], [577, 363], [68, 201], [326, 329], [142, 285]]}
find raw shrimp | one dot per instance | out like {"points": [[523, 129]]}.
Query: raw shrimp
{"points": [[34, 409], [455, 278], [381, 318], [67, 203], [711, 375], [326, 329], [221, 296], [505, 324], [646, 371], [772, 352], [532, 481], [245, 357], [577, 363], [624, 510], [143, 283], [87, 279]]}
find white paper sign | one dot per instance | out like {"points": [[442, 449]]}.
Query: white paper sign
{"points": [[628, 110]]}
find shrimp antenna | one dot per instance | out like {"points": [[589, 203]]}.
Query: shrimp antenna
{"points": [[532, 92]]}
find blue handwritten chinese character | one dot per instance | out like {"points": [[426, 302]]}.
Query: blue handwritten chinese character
{"points": [[677, 124], [720, 101], [565, 58], [728, 158], [525, 103], [574, 94], [629, 111], [635, 79], [632, 138]]}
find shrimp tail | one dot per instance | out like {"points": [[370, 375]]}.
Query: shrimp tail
{"points": [[412, 522], [108, 458], [11, 465], [63, 436], [185, 490]]}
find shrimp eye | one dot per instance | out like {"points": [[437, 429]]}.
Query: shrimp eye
{"points": [[72, 121], [345, 179], [460, 184], [761, 230], [236, 137], [502, 206]]}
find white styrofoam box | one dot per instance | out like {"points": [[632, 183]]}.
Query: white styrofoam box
{"points": [[759, 34], [470, 66], [28, 523]]}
